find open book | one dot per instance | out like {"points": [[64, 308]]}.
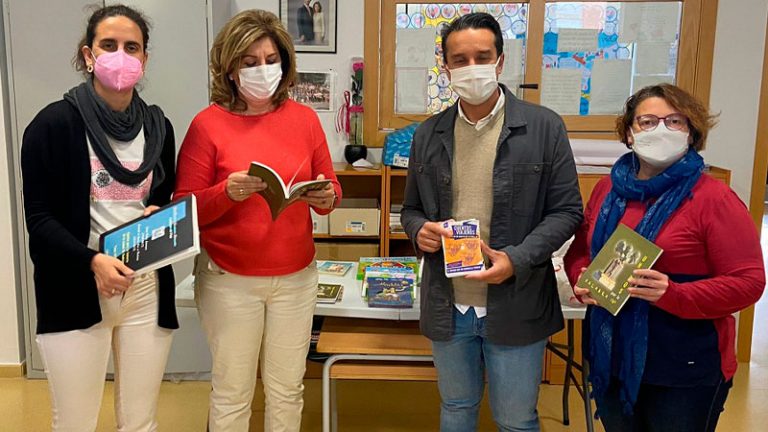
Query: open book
{"points": [[278, 194], [168, 235], [608, 274]]}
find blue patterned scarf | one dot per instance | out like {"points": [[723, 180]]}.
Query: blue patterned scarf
{"points": [[669, 188]]}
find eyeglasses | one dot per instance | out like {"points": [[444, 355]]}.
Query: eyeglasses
{"points": [[649, 122]]}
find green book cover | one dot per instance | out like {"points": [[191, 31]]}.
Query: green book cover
{"points": [[608, 274], [394, 262], [328, 293]]}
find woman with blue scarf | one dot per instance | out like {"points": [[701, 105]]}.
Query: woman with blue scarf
{"points": [[666, 361]]}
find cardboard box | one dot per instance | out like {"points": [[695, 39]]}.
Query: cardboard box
{"points": [[345, 251], [355, 217], [319, 223]]}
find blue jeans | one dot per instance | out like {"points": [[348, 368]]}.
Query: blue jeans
{"points": [[514, 375], [660, 408]]}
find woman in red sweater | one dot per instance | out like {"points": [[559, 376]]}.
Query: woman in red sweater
{"points": [[256, 281], [666, 361]]}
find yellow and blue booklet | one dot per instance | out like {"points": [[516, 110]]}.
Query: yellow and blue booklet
{"points": [[608, 274], [168, 235], [461, 252]]}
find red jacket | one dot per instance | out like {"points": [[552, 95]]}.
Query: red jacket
{"points": [[241, 237], [711, 240]]}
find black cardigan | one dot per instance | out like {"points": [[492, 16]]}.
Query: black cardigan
{"points": [[56, 173]]}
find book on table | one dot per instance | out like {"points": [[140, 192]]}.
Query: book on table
{"points": [[329, 293], [334, 268], [278, 194], [461, 252], [389, 288], [607, 277], [168, 235], [393, 262]]}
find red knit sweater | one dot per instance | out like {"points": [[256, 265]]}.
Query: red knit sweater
{"points": [[241, 237], [711, 235]]}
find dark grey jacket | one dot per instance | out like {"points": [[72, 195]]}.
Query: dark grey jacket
{"points": [[536, 208]]}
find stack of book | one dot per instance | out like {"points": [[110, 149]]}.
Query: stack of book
{"points": [[395, 226], [389, 262]]}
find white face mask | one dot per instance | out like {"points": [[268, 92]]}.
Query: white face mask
{"points": [[260, 82], [660, 147], [475, 83]]}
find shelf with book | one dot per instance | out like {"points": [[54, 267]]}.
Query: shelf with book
{"points": [[356, 183], [395, 242]]}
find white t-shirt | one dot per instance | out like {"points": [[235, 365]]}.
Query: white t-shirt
{"points": [[114, 203]]}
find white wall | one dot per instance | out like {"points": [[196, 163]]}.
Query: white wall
{"points": [[349, 43], [735, 93], [11, 344]]}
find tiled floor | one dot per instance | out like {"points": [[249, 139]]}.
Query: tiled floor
{"points": [[373, 406], [365, 406]]}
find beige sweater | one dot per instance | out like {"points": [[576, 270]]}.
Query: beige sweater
{"points": [[474, 153]]}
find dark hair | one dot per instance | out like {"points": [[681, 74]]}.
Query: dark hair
{"points": [[317, 3], [100, 15], [477, 20], [700, 121]]}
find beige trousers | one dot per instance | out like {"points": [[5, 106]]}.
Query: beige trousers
{"points": [[76, 363], [250, 321]]}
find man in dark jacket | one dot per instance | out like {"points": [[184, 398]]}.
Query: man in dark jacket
{"points": [[305, 23], [509, 164]]}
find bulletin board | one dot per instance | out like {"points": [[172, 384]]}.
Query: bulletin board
{"points": [[581, 59], [596, 54], [421, 82]]}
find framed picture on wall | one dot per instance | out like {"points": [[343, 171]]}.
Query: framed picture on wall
{"points": [[312, 23], [314, 89]]}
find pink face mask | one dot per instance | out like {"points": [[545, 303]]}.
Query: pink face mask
{"points": [[117, 70]]}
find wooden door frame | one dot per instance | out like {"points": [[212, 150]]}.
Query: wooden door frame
{"points": [[756, 202]]}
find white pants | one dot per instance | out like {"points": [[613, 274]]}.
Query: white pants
{"points": [[76, 363], [243, 315]]}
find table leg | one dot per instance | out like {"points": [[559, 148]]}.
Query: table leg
{"points": [[329, 390], [568, 373], [587, 399], [334, 407]]}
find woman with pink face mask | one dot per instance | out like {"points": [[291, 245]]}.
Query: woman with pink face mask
{"points": [[90, 162], [666, 361], [256, 281]]}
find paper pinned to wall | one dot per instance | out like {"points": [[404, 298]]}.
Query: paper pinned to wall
{"points": [[648, 21], [640, 81], [652, 58], [513, 57], [561, 90], [512, 72], [513, 83], [411, 93], [577, 40], [610, 85], [415, 48]]}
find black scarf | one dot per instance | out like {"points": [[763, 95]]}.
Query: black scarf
{"points": [[101, 121]]}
